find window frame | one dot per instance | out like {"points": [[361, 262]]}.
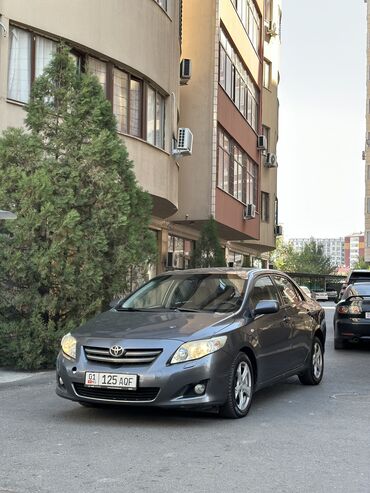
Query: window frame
{"points": [[83, 57]]}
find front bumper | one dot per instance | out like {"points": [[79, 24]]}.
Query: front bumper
{"points": [[352, 329], [159, 384]]}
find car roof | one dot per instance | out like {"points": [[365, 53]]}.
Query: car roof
{"points": [[244, 271]]}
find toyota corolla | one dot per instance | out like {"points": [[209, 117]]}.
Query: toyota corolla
{"points": [[204, 338]]}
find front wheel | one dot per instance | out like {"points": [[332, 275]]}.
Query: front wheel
{"points": [[315, 369], [240, 388]]}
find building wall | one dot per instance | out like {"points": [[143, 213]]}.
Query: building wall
{"points": [[146, 42], [367, 147], [206, 107]]}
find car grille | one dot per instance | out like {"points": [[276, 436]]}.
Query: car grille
{"points": [[130, 356], [140, 394]]}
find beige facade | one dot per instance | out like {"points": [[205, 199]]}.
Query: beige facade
{"points": [[367, 146], [213, 110], [129, 38], [135, 48]]}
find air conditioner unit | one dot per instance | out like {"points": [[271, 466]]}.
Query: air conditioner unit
{"points": [[278, 230], [185, 71], [271, 161], [272, 29], [249, 211], [262, 143], [184, 145]]}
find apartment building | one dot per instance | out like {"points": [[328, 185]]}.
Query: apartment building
{"points": [[135, 49], [354, 249], [332, 247], [230, 100]]}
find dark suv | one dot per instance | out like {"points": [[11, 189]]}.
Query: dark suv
{"points": [[356, 275]]}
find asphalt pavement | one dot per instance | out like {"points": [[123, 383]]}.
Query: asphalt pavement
{"points": [[295, 439]]}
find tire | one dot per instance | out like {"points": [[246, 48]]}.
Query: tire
{"points": [[315, 369], [339, 344], [239, 402]]}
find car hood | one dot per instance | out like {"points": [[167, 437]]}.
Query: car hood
{"points": [[154, 325]]}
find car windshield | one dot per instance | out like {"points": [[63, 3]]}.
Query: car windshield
{"points": [[358, 289], [189, 292]]}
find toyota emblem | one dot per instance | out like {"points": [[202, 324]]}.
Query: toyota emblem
{"points": [[116, 351]]}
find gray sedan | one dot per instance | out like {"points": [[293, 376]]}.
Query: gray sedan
{"points": [[201, 338]]}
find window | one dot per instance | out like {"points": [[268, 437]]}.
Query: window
{"points": [[250, 19], [237, 83], [30, 53], [23, 67], [266, 74], [265, 207], [120, 99], [237, 174], [287, 291], [266, 133], [263, 289], [180, 251], [268, 11], [368, 205], [99, 69], [368, 171], [155, 118]]}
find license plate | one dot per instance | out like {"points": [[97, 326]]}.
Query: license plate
{"points": [[114, 380], [367, 314]]}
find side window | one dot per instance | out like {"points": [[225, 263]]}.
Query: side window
{"points": [[263, 289], [287, 291]]}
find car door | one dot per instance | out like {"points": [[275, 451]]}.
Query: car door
{"points": [[271, 331], [298, 319]]}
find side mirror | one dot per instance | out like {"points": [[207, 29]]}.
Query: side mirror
{"points": [[114, 302], [266, 306]]}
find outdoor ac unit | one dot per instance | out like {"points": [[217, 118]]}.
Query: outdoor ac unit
{"points": [[249, 211], [271, 161], [185, 71], [184, 145], [278, 230], [272, 29], [262, 143]]}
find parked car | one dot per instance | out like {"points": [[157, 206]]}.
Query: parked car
{"points": [[332, 294], [196, 338], [355, 276], [320, 295], [306, 291], [352, 315]]}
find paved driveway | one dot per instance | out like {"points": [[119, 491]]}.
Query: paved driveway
{"points": [[295, 439]]}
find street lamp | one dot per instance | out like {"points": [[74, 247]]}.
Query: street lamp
{"points": [[7, 215]]}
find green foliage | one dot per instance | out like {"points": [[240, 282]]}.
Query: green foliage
{"points": [[310, 260], [82, 226], [361, 264], [208, 251]]}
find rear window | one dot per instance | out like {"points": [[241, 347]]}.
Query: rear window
{"points": [[362, 289]]}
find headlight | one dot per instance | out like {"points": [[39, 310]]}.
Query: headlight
{"points": [[69, 346], [198, 349]]}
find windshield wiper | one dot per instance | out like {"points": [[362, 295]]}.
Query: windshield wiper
{"points": [[130, 309]]}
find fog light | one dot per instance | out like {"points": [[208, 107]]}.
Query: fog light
{"points": [[199, 388], [61, 383]]}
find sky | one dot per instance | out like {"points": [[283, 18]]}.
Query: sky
{"points": [[322, 97]]}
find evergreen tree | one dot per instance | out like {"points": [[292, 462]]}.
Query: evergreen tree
{"points": [[82, 225], [208, 251]]}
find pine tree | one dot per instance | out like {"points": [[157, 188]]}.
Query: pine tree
{"points": [[83, 222], [208, 251]]}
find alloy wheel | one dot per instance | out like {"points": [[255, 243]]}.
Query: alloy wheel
{"points": [[317, 360], [243, 386]]}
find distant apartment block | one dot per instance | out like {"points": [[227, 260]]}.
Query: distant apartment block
{"points": [[332, 247], [354, 249]]}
